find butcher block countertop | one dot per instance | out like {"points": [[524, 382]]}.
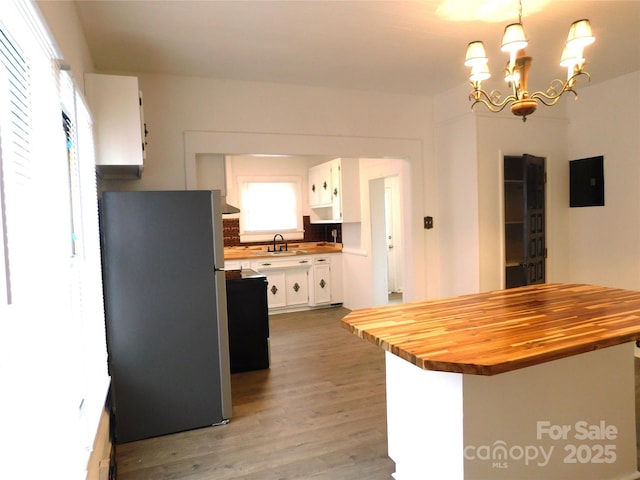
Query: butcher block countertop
{"points": [[303, 248], [496, 332]]}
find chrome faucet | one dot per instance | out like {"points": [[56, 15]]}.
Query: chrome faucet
{"points": [[286, 247]]}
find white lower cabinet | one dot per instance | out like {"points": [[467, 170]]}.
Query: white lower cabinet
{"points": [[296, 282], [288, 280], [276, 288], [321, 279]]}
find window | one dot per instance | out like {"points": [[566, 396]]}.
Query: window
{"points": [[5, 290], [270, 205], [51, 309], [15, 130]]}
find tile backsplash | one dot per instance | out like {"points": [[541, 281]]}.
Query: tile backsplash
{"points": [[313, 232]]}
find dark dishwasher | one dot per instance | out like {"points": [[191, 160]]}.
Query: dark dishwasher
{"points": [[248, 320]]}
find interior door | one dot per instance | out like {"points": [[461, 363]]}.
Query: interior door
{"points": [[391, 252], [524, 215], [536, 248]]}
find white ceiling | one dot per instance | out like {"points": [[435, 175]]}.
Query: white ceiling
{"points": [[390, 46]]}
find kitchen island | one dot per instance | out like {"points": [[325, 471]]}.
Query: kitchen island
{"points": [[528, 383]]}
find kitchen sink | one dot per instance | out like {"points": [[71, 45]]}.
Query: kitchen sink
{"points": [[279, 253]]}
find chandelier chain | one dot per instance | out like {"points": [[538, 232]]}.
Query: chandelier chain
{"points": [[520, 11]]}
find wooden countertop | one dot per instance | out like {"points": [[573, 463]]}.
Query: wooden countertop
{"points": [[504, 330], [311, 248]]}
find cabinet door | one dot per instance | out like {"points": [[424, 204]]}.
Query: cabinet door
{"points": [[336, 190], [322, 281], [297, 286], [535, 242], [115, 103], [320, 185], [314, 182], [276, 288]]}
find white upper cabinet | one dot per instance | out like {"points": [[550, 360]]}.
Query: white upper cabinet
{"points": [[320, 195], [116, 104], [334, 191]]}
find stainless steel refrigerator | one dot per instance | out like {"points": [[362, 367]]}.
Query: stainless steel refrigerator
{"points": [[166, 311]]}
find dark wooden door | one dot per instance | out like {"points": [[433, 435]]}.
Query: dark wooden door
{"points": [[524, 203]]}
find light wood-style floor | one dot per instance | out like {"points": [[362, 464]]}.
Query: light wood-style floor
{"points": [[318, 413]]}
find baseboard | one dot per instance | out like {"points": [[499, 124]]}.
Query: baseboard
{"points": [[100, 462]]}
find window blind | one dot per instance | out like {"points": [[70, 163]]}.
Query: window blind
{"points": [[52, 339], [15, 129], [29, 99]]}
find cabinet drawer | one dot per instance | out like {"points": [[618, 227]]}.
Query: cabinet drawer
{"points": [[280, 264]]}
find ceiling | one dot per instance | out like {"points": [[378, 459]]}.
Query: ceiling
{"points": [[387, 46]]}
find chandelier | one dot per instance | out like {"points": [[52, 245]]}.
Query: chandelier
{"points": [[516, 72]]}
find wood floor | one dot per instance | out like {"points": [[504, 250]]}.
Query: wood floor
{"points": [[318, 413]]}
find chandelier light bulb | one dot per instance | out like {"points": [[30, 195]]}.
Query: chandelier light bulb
{"points": [[479, 73], [514, 38], [476, 54], [571, 57], [580, 34]]}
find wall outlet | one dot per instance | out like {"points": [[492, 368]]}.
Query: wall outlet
{"points": [[428, 222]]}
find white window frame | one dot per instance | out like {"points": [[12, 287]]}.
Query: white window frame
{"points": [[5, 285], [249, 234]]}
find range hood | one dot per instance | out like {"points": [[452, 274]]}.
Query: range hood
{"points": [[226, 208]]}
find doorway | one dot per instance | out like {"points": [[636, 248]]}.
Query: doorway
{"points": [[379, 163], [524, 220], [386, 239], [393, 234]]}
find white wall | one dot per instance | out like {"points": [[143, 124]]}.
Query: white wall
{"points": [[457, 221], [597, 245], [175, 104], [542, 136], [604, 247], [365, 252], [469, 152], [63, 21], [233, 117]]}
